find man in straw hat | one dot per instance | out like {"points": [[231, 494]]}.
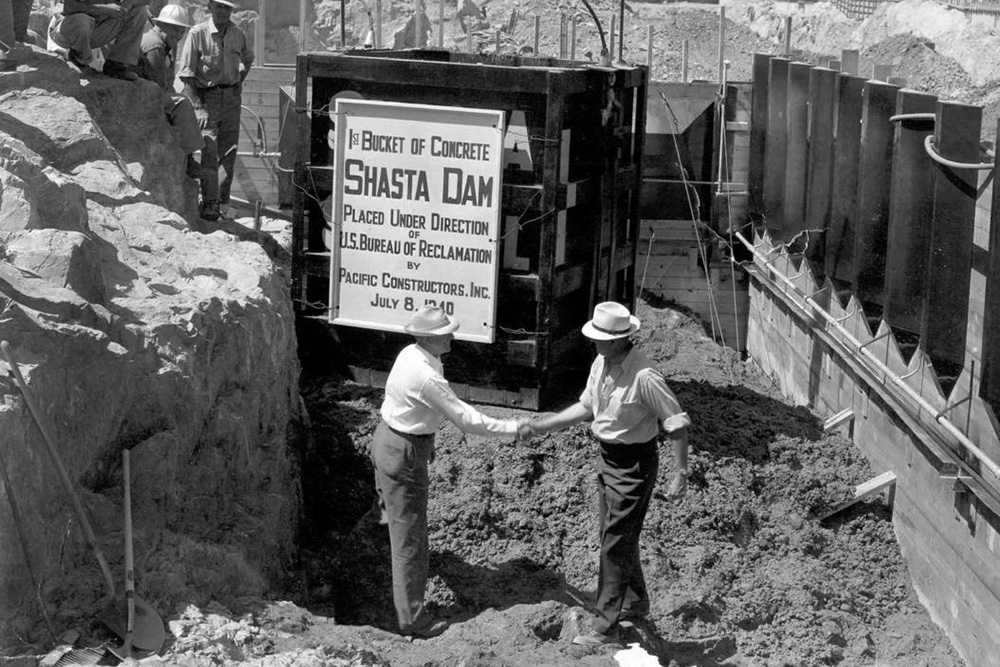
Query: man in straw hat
{"points": [[157, 65], [416, 398], [214, 61], [629, 402]]}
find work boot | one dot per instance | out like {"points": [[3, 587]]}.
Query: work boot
{"points": [[595, 638], [210, 210], [119, 70]]}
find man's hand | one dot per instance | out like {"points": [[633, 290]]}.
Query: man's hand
{"points": [[201, 115], [525, 432], [678, 487]]}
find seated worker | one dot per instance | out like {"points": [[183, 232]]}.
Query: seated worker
{"points": [[156, 63], [84, 25]]}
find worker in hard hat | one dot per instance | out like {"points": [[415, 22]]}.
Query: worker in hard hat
{"points": [[213, 63], [156, 63], [629, 405], [85, 25]]}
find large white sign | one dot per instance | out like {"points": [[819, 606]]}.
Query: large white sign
{"points": [[416, 213]]}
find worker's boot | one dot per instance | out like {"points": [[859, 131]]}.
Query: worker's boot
{"points": [[119, 70], [210, 209]]}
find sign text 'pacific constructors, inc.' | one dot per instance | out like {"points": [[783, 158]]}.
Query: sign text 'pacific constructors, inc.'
{"points": [[416, 214]]}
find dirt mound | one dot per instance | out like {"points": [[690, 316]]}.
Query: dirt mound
{"points": [[917, 61]]}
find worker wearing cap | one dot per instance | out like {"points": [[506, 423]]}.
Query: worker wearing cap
{"points": [[628, 402], [214, 61], [417, 397], [84, 25], [157, 65]]}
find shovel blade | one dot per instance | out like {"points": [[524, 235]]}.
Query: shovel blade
{"points": [[148, 633]]}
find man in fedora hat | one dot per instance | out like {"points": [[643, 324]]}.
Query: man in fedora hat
{"points": [[156, 64], [629, 403], [214, 61], [417, 397]]}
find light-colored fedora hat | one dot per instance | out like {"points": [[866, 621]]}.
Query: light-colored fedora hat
{"points": [[227, 3], [431, 321], [611, 320]]}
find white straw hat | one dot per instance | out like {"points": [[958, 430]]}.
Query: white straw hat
{"points": [[431, 321], [227, 3], [611, 320]]}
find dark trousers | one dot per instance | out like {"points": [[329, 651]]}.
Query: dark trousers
{"points": [[626, 475], [402, 483], [221, 134]]}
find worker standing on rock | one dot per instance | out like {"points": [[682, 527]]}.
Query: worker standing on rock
{"points": [[84, 25], [628, 401], [214, 61], [416, 398], [157, 65]]}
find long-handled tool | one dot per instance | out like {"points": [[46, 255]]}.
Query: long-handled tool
{"points": [[143, 626], [148, 632], [81, 516]]}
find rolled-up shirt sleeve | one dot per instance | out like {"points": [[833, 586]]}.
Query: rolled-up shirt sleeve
{"points": [[656, 395], [440, 396]]}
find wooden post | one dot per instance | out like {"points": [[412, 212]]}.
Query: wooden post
{"points": [[611, 38], [722, 43], [911, 206], [875, 168], [498, 41], [343, 26], [956, 137], [303, 26], [420, 34], [572, 37], [849, 61], [685, 49], [378, 24], [441, 24], [649, 51], [468, 39], [788, 37], [538, 30], [258, 33]]}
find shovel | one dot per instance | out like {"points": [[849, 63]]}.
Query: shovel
{"points": [[143, 627], [148, 629]]}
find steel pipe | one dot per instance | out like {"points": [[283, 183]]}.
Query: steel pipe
{"points": [[963, 439], [934, 155]]}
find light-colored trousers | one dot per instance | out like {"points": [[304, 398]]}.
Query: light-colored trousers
{"points": [[402, 483]]}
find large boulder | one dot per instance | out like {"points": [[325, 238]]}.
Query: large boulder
{"points": [[134, 331]]}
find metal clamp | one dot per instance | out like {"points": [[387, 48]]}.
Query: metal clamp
{"points": [[876, 338]]}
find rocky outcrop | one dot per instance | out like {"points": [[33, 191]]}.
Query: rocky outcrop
{"points": [[134, 331]]}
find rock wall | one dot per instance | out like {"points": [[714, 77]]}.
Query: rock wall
{"points": [[134, 331]]}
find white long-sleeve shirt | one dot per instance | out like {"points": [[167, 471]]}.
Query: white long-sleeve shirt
{"points": [[417, 396]]}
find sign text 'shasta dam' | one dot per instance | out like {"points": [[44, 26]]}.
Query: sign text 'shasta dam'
{"points": [[378, 181]]}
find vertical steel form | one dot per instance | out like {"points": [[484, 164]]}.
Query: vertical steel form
{"points": [[910, 211], [819, 172], [796, 151], [758, 136], [956, 138], [840, 233], [879, 100], [774, 149], [989, 388]]}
